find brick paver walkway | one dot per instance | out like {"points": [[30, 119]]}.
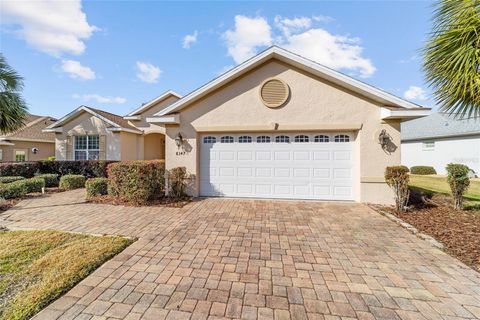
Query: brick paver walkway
{"points": [[223, 258]]}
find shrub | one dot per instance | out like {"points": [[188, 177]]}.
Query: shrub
{"points": [[72, 181], [459, 181], [422, 170], [51, 179], [10, 179], [89, 169], [23, 169], [397, 178], [35, 184], [178, 179], [137, 182], [13, 190], [96, 187]]}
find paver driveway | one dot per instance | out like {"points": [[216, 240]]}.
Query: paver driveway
{"points": [[254, 259]]}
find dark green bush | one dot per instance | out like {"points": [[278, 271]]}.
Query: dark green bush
{"points": [[397, 178], [35, 184], [137, 182], [89, 169], [10, 179], [51, 179], [23, 169], [72, 181], [459, 182], [96, 187], [13, 190], [422, 170]]}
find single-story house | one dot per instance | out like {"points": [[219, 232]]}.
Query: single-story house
{"points": [[276, 126], [28, 143], [440, 139]]}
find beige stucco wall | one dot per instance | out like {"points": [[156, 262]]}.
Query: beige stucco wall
{"points": [[154, 145], [45, 150], [129, 145], [83, 124], [312, 102]]}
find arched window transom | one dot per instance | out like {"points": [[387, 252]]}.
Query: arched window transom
{"points": [[226, 139], [245, 139], [322, 138], [263, 139], [209, 139], [301, 138], [342, 138], [282, 139]]}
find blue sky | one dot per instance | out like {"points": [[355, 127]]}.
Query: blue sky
{"points": [[115, 55]]}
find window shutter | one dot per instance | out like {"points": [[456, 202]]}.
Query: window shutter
{"points": [[102, 154], [69, 155]]}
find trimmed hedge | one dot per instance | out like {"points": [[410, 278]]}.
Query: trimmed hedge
{"points": [[137, 182], [88, 169], [397, 178], [459, 182], [23, 169], [10, 179], [96, 187], [422, 170], [13, 190], [35, 184], [51, 179], [72, 181]]}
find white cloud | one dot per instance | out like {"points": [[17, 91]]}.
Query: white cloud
{"points": [[100, 99], [336, 52], [53, 27], [76, 71], [249, 34], [147, 72], [415, 93], [190, 39], [325, 19], [288, 26], [300, 36]]}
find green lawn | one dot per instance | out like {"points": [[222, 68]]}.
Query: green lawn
{"points": [[439, 184], [36, 267]]}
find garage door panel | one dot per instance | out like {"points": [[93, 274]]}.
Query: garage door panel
{"points": [[303, 170]]}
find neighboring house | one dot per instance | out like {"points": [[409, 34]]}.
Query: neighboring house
{"points": [[276, 126], [440, 139], [28, 143]]}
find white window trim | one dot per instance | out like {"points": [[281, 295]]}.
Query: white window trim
{"points": [[21, 150], [87, 150]]}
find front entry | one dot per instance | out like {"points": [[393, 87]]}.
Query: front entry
{"points": [[280, 165]]}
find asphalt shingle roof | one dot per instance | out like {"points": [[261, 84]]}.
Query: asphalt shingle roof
{"points": [[33, 129], [439, 125]]}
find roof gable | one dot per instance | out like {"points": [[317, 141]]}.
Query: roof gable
{"points": [[154, 102], [115, 121], [299, 62], [32, 130]]}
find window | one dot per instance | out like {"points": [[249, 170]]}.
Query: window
{"points": [[282, 139], [20, 155], [245, 139], [301, 138], [263, 139], [87, 147], [428, 145], [209, 139], [321, 138], [342, 138], [226, 139]]}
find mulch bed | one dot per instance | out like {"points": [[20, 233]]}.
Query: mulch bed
{"points": [[162, 202], [459, 231]]}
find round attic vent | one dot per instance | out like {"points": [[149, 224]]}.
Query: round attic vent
{"points": [[274, 92]]}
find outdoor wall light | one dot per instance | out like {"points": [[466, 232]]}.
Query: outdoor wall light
{"points": [[384, 139], [179, 140], [34, 150]]}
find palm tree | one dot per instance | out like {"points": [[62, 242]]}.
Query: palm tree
{"points": [[452, 57], [13, 109]]}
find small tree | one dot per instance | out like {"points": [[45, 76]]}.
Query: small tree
{"points": [[397, 178], [459, 181]]}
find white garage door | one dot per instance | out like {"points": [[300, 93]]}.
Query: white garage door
{"points": [[281, 165]]}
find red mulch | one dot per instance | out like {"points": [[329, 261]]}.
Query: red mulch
{"points": [[459, 231], [162, 202]]}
